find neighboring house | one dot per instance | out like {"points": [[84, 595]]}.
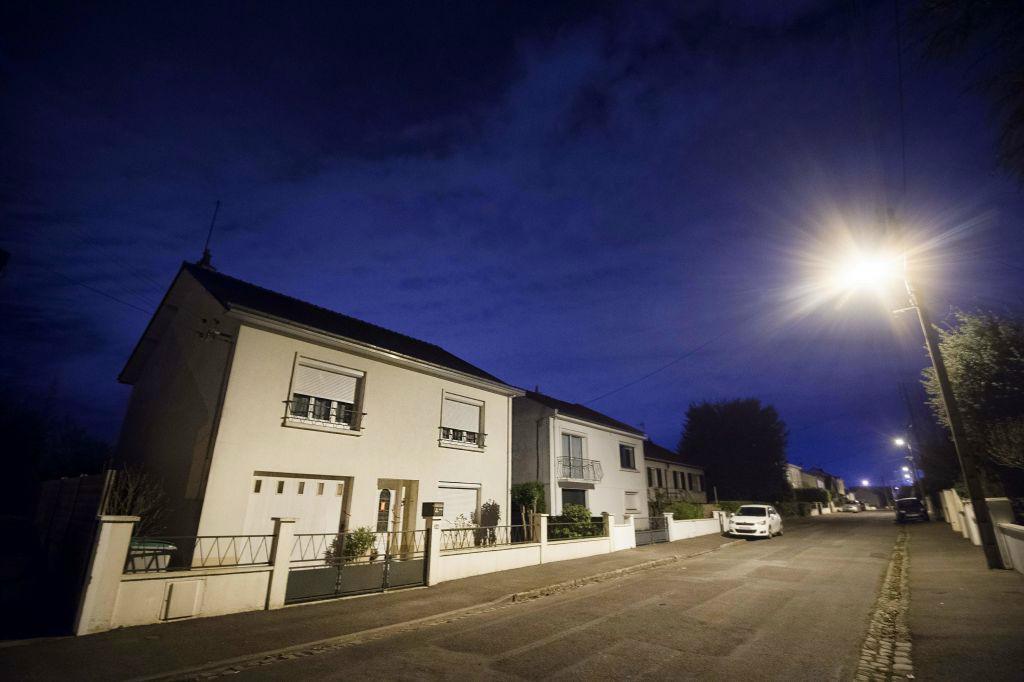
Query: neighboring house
{"points": [[581, 456], [795, 475], [249, 404], [809, 479], [829, 482], [671, 478]]}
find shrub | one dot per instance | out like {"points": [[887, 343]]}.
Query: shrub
{"points": [[685, 510], [356, 544], [788, 508], [575, 522], [812, 495]]}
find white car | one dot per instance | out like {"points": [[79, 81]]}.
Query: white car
{"points": [[850, 507], [756, 520]]}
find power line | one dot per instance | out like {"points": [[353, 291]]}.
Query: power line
{"points": [[660, 369], [92, 289]]}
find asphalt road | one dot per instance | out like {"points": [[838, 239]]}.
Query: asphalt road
{"points": [[793, 607]]}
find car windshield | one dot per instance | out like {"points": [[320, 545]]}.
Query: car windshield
{"points": [[752, 511], [908, 504]]}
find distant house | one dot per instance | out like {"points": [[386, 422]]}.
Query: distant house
{"points": [[580, 455], [671, 478], [249, 404], [795, 476]]}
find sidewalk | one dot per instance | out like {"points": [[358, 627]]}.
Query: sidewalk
{"points": [[161, 649], [966, 621]]}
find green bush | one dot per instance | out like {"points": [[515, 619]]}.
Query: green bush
{"points": [[685, 510], [357, 543], [575, 522], [788, 508], [812, 495]]}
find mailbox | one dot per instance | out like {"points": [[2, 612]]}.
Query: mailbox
{"points": [[433, 510]]}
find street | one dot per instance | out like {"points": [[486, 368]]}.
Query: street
{"points": [[794, 607]]}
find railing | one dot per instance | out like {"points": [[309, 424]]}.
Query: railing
{"points": [[152, 554], [357, 547], [573, 530], [473, 537], [449, 435], [580, 469]]}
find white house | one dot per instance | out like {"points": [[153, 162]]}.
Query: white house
{"points": [[580, 455], [249, 404], [671, 478]]}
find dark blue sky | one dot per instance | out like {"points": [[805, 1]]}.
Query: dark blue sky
{"points": [[574, 197]]}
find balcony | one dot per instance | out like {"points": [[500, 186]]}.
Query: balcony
{"points": [[580, 469]]}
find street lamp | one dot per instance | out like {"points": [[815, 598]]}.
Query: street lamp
{"points": [[875, 271], [907, 470], [865, 482]]}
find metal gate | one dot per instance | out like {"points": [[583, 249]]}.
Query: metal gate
{"points": [[328, 565], [651, 529]]}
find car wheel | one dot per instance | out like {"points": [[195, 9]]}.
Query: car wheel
{"points": [[780, 531]]}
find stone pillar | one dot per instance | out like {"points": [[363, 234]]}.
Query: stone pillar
{"points": [[103, 580], [609, 521], [433, 557], [280, 560], [670, 529], [540, 529]]}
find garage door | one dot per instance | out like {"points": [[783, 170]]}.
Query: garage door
{"points": [[315, 502], [460, 505]]}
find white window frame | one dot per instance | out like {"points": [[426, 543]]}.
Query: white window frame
{"points": [[458, 439], [353, 428]]}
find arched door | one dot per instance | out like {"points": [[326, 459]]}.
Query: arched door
{"points": [[383, 511]]}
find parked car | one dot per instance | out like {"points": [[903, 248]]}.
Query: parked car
{"points": [[756, 520], [850, 507], [910, 508]]}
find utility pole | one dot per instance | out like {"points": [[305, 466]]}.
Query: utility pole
{"points": [[969, 464]]}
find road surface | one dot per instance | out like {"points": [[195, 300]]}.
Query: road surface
{"points": [[794, 607]]}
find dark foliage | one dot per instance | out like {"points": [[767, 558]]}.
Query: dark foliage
{"points": [[742, 445]]}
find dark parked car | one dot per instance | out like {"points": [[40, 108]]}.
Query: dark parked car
{"points": [[910, 508]]}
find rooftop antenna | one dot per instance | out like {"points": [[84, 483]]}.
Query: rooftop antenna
{"points": [[204, 262]]}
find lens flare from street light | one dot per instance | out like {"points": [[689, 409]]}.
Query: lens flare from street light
{"points": [[865, 482], [899, 441], [906, 469], [867, 271]]}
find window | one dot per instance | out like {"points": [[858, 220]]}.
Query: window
{"points": [[340, 489], [700, 482], [572, 446], [626, 457], [302, 487], [660, 476], [689, 481], [324, 394], [258, 485], [650, 477], [574, 496], [460, 421], [280, 487], [320, 488], [677, 479], [632, 504]]}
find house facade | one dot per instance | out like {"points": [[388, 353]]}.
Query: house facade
{"points": [[581, 456], [670, 478], [248, 405]]}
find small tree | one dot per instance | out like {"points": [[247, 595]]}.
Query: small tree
{"points": [[490, 514], [529, 499], [347, 547], [137, 493]]}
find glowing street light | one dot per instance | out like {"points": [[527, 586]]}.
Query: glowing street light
{"points": [[899, 442], [865, 482], [906, 469], [877, 271]]}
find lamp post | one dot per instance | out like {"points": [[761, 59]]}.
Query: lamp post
{"points": [[864, 272]]}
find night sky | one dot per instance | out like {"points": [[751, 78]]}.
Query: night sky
{"points": [[620, 202]]}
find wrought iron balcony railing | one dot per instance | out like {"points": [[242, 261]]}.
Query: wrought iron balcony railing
{"points": [[580, 469]]}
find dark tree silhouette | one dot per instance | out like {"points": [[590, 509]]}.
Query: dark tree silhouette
{"points": [[988, 35], [742, 445]]}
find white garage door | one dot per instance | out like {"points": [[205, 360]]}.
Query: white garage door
{"points": [[314, 502], [460, 505]]}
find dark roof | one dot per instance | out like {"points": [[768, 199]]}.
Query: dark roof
{"points": [[654, 451], [581, 412], [231, 292]]}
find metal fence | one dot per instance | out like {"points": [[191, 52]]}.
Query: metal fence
{"points": [[573, 530], [473, 537], [152, 554], [580, 469], [356, 546]]}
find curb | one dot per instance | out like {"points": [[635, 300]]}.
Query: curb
{"points": [[239, 663]]}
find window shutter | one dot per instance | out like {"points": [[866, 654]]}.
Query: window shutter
{"points": [[458, 501], [324, 384], [460, 415]]}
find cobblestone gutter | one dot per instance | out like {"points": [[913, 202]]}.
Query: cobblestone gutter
{"points": [[886, 652]]}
